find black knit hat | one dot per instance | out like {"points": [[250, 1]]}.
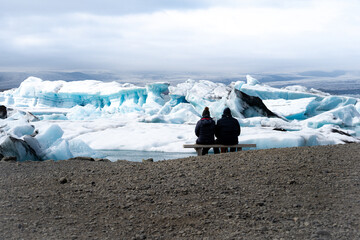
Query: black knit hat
{"points": [[206, 112]]}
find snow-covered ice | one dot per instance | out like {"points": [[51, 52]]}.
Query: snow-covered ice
{"points": [[59, 120]]}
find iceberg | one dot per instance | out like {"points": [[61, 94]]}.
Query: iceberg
{"points": [[21, 139], [346, 116], [59, 120]]}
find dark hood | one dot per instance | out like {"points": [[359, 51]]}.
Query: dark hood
{"points": [[227, 112]]}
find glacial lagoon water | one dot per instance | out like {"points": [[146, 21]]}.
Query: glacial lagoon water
{"points": [[138, 156]]}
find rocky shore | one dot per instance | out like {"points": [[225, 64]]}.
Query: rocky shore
{"points": [[292, 193]]}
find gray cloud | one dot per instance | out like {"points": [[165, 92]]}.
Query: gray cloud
{"points": [[203, 35], [103, 7]]}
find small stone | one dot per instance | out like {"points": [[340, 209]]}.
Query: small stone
{"points": [[102, 160], [148, 160], [140, 237], [9, 159], [306, 224], [323, 233], [63, 180], [82, 159], [292, 182]]}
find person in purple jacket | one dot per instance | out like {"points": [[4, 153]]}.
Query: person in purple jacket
{"points": [[205, 131]]}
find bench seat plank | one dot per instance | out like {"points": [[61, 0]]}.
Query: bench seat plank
{"points": [[198, 147], [216, 145]]}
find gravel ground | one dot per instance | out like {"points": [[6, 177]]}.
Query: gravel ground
{"points": [[292, 193]]}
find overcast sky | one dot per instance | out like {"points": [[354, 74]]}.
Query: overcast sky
{"points": [[175, 35]]}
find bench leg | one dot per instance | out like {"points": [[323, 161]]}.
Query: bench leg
{"points": [[224, 150], [239, 149], [199, 151]]}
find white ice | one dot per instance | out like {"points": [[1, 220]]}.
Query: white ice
{"points": [[79, 118]]}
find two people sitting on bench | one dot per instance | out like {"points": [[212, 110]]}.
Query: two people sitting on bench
{"points": [[226, 130]]}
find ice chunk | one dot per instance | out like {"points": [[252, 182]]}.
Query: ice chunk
{"points": [[296, 88], [54, 116], [248, 106], [81, 113], [266, 137], [266, 92], [79, 148], [181, 89], [332, 102], [59, 150], [357, 106], [270, 123], [49, 136], [273, 139], [343, 116], [182, 113], [201, 94], [290, 109], [18, 148], [254, 88], [237, 85], [22, 130], [155, 100], [34, 92], [251, 81]]}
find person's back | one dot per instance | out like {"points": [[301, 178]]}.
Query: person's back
{"points": [[205, 129], [227, 129]]}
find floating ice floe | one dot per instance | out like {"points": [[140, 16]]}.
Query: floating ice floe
{"points": [[19, 138], [58, 119]]}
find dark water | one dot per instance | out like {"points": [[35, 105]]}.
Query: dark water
{"points": [[137, 156]]}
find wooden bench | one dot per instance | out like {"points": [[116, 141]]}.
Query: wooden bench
{"points": [[198, 147]]}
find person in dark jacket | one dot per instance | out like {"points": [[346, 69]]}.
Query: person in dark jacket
{"points": [[205, 130], [227, 130]]}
